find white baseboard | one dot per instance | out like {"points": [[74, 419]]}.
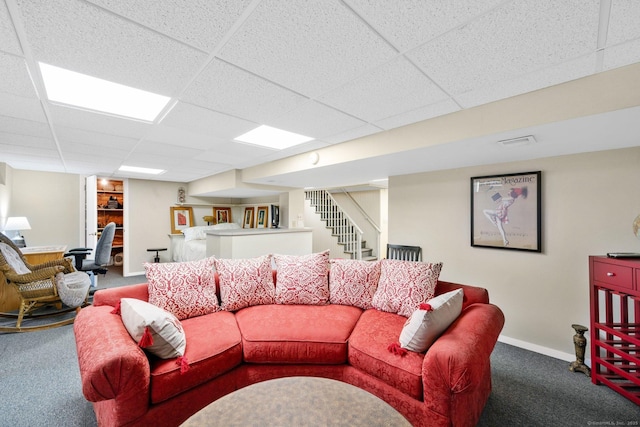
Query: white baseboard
{"points": [[540, 349]]}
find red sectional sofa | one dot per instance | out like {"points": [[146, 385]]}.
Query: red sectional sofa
{"points": [[447, 385]]}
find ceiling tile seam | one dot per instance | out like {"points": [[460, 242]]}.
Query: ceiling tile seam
{"points": [[33, 71], [604, 17], [370, 26], [175, 98]]}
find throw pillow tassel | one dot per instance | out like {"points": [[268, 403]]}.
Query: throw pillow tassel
{"points": [[183, 363], [425, 306], [116, 310], [146, 340], [396, 349]]}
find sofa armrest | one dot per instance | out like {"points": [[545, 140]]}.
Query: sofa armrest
{"points": [[112, 296], [456, 371], [112, 366]]}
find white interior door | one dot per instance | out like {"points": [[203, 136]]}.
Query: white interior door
{"points": [[91, 211]]}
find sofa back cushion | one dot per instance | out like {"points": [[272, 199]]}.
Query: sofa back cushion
{"points": [[404, 285], [353, 282], [185, 289], [302, 279], [245, 282]]}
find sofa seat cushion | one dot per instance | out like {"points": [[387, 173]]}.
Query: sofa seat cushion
{"points": [[368, 352], [214, 347], [307, 334]]}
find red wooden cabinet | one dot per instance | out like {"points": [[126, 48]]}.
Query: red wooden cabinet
{"points": [[615, 324]]}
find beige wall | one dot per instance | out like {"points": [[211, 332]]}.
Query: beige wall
{"points": [[588, 202], [52, 204]]}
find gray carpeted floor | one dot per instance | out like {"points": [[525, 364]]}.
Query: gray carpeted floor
{"points": [[40, 385]]}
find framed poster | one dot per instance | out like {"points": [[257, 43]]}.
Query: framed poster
{"points": [[505, 211], [181, 218], [221, 215], [248, 218], [262, 220]]}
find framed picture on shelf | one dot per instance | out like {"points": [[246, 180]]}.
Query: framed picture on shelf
{"points": [[248, 218], [221, 215], [262, 220], [506, 211], [181, 218]]}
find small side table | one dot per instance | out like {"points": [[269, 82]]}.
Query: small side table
{"points": [[156, 250]]}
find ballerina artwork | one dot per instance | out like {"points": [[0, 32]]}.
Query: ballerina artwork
{"points": [[499, 216], [505, 211]]}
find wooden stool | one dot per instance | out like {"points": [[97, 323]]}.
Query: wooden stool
{"points": [[156, 250]]}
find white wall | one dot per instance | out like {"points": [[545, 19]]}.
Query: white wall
{"points": [[588, 204]]}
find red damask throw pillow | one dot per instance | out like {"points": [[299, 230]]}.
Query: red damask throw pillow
{"points": [[302, 279], [245, 282], [353, 282], [185, 289], [404, 285]]}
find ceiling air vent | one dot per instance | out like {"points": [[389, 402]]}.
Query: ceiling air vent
{"points": [[516, 142]]}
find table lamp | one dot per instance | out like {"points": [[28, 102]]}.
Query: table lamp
{"points": [[17, 224]]}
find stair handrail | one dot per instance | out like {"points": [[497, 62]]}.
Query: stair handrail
{"points": [[358, 231], [366, 216]]}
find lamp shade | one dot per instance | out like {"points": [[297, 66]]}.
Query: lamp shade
{"points": [[17, 223]]}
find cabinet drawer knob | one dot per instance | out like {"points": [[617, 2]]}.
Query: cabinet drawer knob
{"points": [[611, 274]]}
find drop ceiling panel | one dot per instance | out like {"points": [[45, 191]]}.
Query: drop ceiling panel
{"points": [[225, 88], [28, 142], [515, 39], [316, 120], [234, 153], [101, 142], [14, 126], [168, 150], [207, 122], [22, 108], [15, 77], [314, 47], [409, 23], [8, 39], [395, 88], [438, 109], [199, 23], [624, 21], [179, 137], [621, 55], [93, 41], [352, 134], [101, 123], [535, 80]]}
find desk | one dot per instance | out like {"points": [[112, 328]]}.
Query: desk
{"points": [[39, 254]]}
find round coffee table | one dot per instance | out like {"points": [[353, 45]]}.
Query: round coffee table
{"points": [[298, 401]]}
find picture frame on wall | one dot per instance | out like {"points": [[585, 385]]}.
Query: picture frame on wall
{"points": [[506, 211], [248, 218], [262, 217], [181, 218], [221, 215]]}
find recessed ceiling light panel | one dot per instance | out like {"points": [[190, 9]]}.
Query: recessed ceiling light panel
{"points": [[136, 169], [91, 93], [267, 136]]}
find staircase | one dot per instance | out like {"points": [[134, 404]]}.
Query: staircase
{"points": [[342, 227]]}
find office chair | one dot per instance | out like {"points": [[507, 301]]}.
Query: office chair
{"points": [[102, 253], [405, 253]]}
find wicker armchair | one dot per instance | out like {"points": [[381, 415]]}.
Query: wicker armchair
{"points": [[37, 285]]}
